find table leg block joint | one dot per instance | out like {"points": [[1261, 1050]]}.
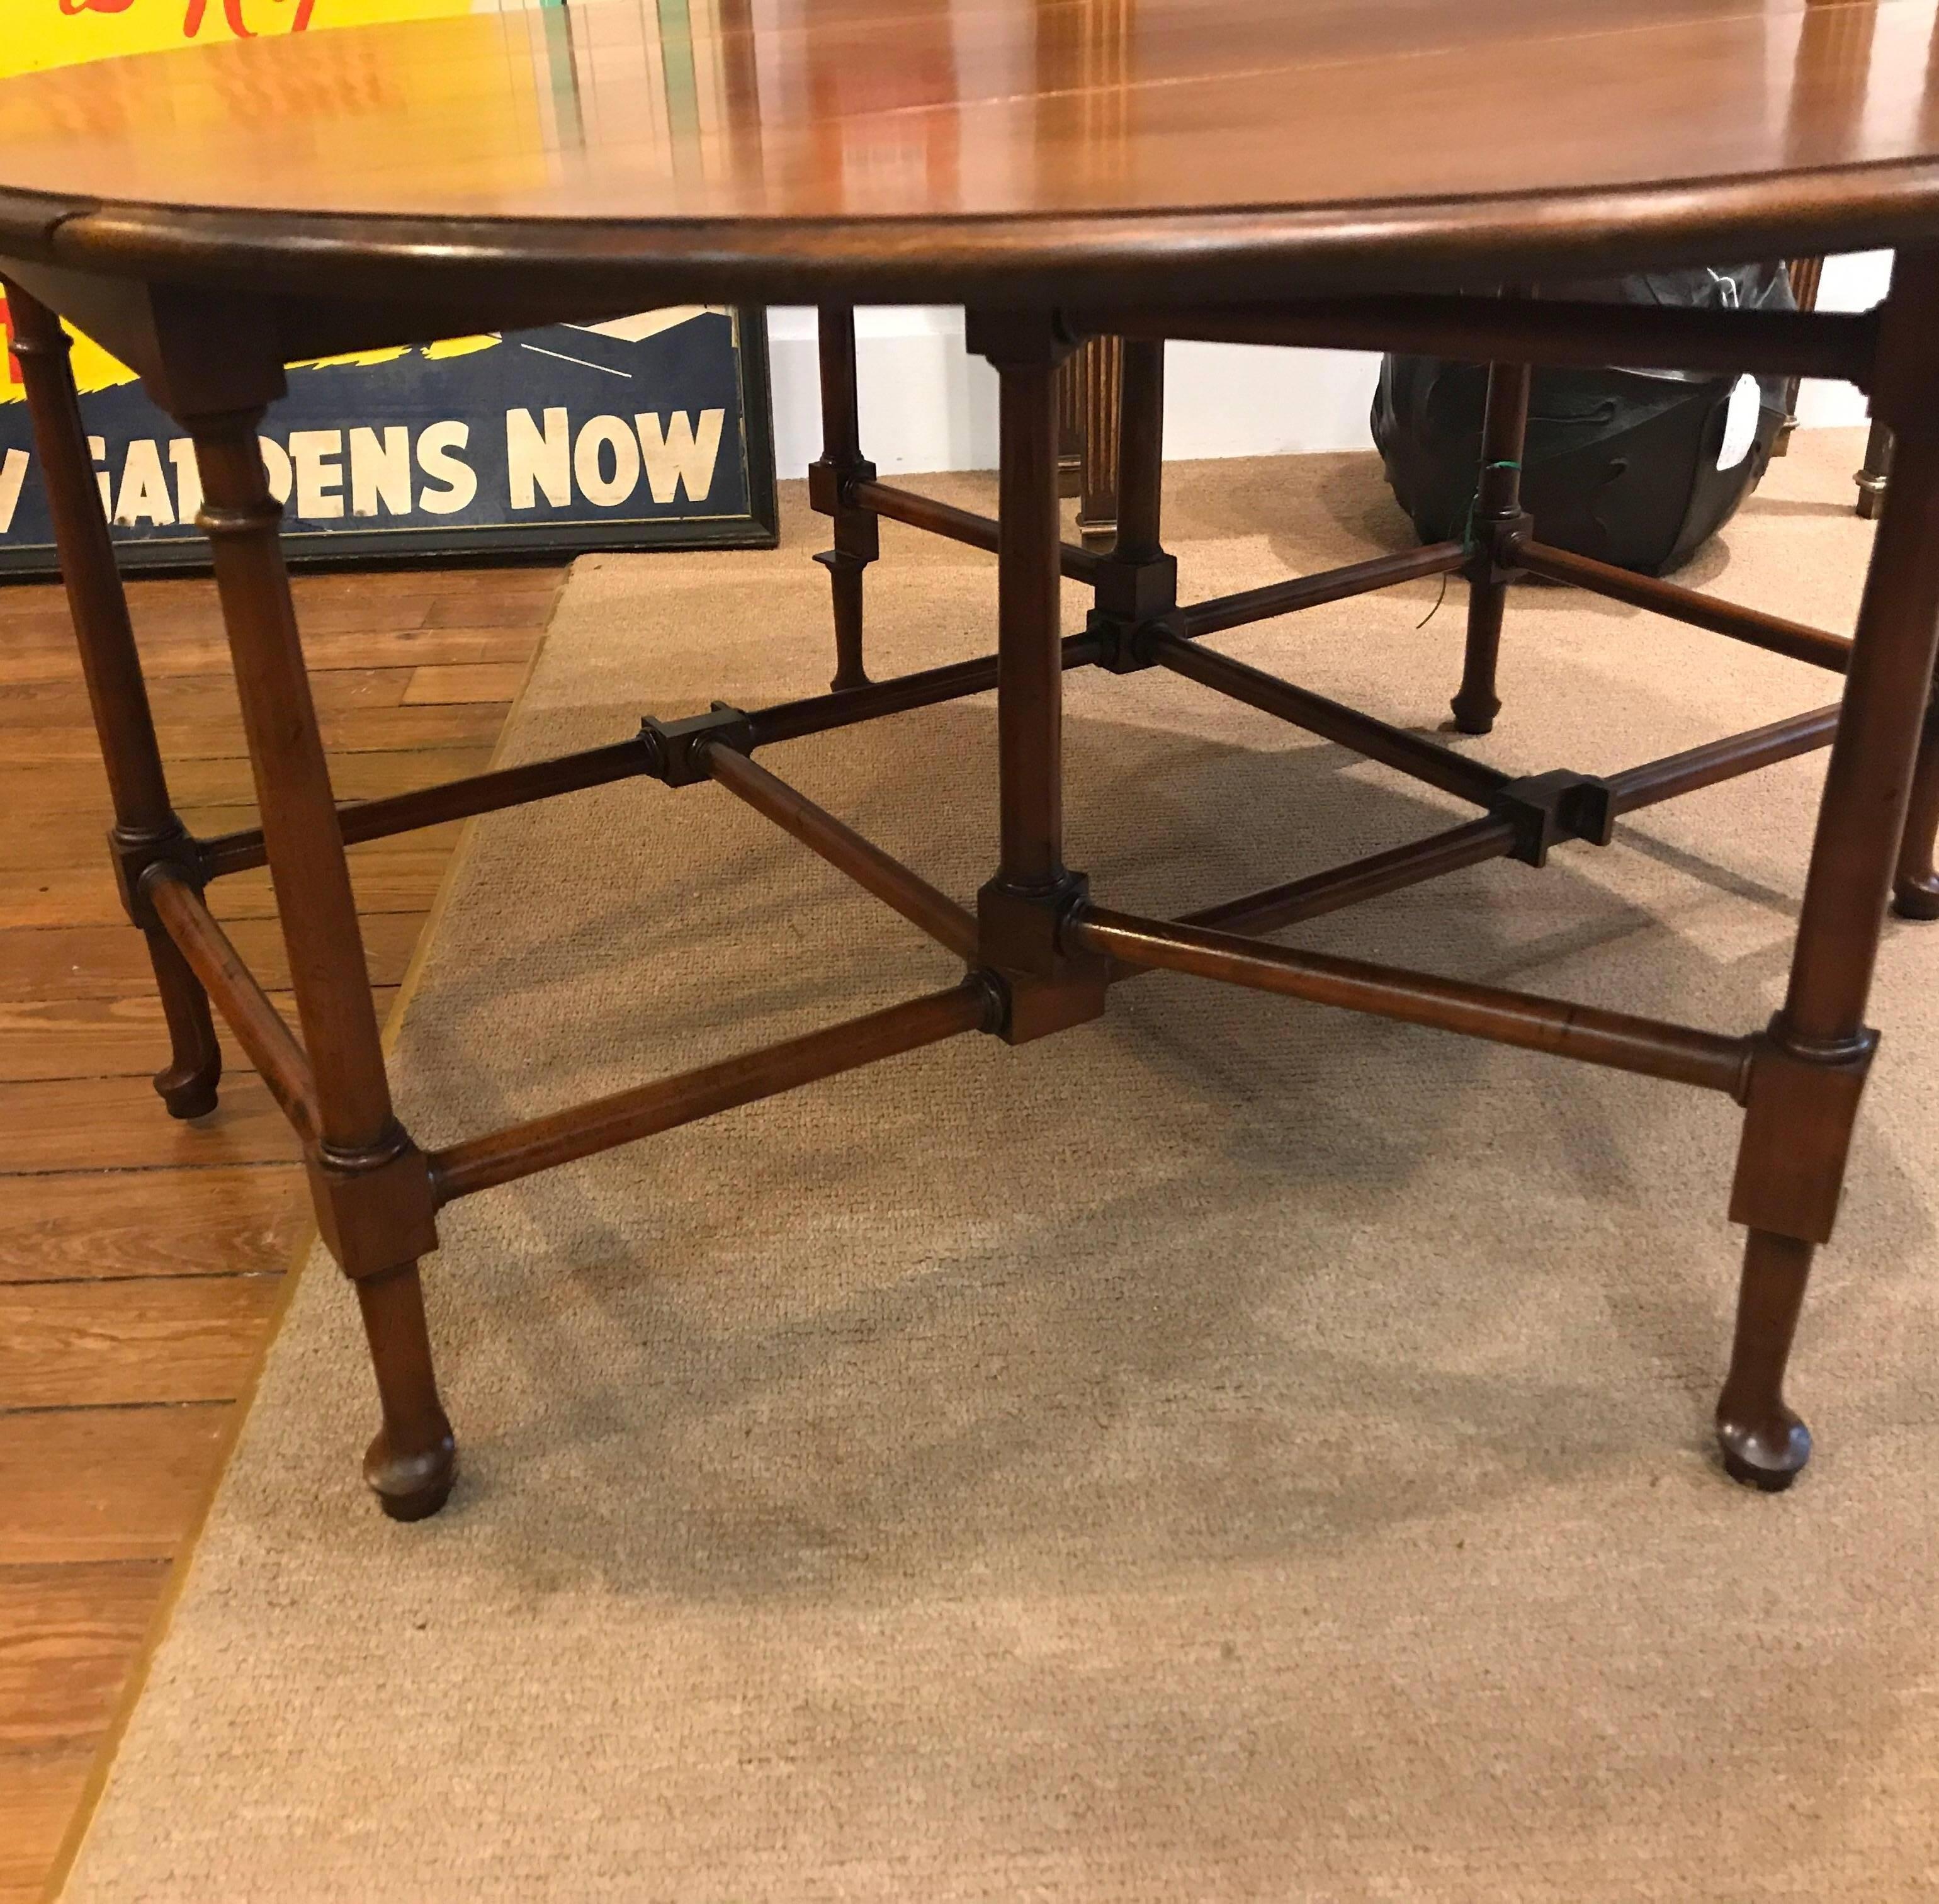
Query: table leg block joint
{"points": [[136, 851], [1798, 1120], [1547, 808], [1046, 983], [678, 749], [375, 1208], [1135, 602]]}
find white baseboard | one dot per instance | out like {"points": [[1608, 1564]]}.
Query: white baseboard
{"points": [[926, 404]]}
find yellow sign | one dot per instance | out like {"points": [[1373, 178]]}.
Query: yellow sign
{"points": [[37, 34], [535, 439]]}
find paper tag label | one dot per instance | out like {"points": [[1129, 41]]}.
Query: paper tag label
{"points": [[1740, 422]]}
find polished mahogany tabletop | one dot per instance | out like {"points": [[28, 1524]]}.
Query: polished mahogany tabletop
{"points": [[772, 144]]}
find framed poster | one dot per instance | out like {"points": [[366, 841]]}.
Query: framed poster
{"points": [[649, 431], [646, 431]]}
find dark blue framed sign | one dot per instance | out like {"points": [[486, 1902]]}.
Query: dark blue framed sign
{"points": [[653, 431]]}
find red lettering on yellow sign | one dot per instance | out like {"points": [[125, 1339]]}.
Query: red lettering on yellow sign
{"points": [[232, 14]]}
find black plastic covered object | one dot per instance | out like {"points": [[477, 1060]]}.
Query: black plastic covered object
{"points": [[1619, 465]]}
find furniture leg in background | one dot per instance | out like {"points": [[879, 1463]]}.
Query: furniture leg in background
{"points": [[1495, 521], [1136, 584], [1876, 473], [831, 478], [147, 831], [1087, 384], [1806, 275], [1915, 883]]}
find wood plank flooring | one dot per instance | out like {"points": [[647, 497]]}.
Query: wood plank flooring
{"points": [[140, 1258]]}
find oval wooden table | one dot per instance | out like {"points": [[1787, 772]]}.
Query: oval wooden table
{"points": [[1340, 173]]}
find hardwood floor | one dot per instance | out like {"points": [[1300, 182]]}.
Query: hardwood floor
{"points": [[140, 1258]]}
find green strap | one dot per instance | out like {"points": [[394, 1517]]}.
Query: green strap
{"points": [[1468, 545]]}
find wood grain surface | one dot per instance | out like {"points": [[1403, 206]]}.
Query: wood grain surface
{"points": [[140, 1259], [939, 139]]}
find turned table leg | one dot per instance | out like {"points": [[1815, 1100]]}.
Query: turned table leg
{"points": [[147, 831], [1046, 987], [1136, 584], [1140, 452], [372, 1189], [1915, 884], [1029, 678], [1809, 1069], [1496, 519], [1874, 476], [1096, 373], [831, 478]]}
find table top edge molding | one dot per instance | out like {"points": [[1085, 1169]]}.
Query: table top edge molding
{"points": [[1242, 251]]}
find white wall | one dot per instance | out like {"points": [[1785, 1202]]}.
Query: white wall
{"points": [[926, 404], [1854, 283]]}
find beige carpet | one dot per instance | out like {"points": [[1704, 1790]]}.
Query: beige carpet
{"points": [[1236, 1450]]}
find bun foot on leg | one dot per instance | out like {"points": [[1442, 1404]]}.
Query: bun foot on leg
{"points": [[186, 1085], [1763, 1443], [413, 1460], [1916, 896], [188, 1095], [1768, 1454], [411, 1484], [1915, 883]]}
